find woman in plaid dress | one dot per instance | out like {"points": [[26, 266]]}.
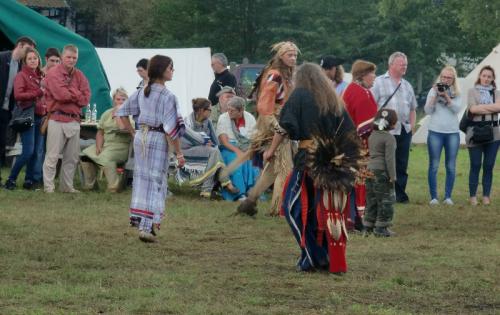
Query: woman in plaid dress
{"points": [[158, 116]]}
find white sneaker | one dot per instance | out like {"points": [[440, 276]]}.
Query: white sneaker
{"points": [[448, 202], [434, 202]]}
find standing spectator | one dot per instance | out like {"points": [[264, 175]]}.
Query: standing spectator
{"points": [[222, 76], [159, 119], [332, 66], [28, 94], [142, 71], [443, 104], [361, 106], [52, 58], [380, 187], [392, 87], [67, 91], [224, 96], [483, 102], [111, 147], [10, 65]]}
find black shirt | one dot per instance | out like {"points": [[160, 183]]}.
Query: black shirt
{"points": [[225, 78], [300, 117]]}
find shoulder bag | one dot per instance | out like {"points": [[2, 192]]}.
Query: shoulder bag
{"points": [[365, 129], [482, 132], [22, 119]]}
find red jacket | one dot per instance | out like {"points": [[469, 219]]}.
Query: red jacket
{"points": [[360, 103], [27, 90], [66, 93]]}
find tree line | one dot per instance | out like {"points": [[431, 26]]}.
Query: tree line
{"points": [[431, 32]]}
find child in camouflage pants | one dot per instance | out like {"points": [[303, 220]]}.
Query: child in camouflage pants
{"points": [[380, 195]]}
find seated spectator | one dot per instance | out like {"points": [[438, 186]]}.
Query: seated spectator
{"points": [[111, 147], [234, 130], [28, 94], [224, 95], [199, 145]]}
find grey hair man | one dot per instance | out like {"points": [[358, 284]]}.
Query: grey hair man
{"points": [[396, 93], [222, 76]]}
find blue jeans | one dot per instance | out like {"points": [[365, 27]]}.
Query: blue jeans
{"points": [[32, 155], [485, 154], [436, 141]]}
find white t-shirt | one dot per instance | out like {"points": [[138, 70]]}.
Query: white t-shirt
{"points": [[224, 126]]}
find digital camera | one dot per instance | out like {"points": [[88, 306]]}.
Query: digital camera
{"points": [[442, 87]]}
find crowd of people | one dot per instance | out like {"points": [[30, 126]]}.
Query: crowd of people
{"points": [[335, 154]]}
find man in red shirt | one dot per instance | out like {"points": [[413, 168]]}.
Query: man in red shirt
{"points": [[67, 91]]}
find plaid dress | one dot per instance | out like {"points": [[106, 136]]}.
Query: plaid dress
{"points": [[149, 190]]}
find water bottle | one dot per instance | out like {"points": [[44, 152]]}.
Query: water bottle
{"points": [[94, 114], [88, 114]]}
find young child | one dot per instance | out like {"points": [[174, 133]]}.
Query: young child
{"points": [[380, 188]]}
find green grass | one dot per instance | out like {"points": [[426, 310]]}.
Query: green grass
{"points": [[75, 254]]}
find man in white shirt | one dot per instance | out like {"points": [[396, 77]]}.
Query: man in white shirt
{"points": [[403, 101]]}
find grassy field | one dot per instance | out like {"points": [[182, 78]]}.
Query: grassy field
{"points": [[75, 254]]}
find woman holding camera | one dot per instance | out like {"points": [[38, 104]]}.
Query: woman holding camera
{"points": [[443, 105], [483, 133]]}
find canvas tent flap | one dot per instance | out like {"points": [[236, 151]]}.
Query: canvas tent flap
{"points": [[17, 20], [192, 72]]}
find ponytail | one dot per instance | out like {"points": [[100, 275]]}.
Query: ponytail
{"points": [[147, 89]]}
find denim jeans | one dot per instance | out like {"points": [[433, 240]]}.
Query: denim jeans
{"points": [[403, 142], [32, 154], [436, 141], [484, 154]]}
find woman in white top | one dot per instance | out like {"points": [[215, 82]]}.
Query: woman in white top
{"points": [[234, 129], [443, 104]]}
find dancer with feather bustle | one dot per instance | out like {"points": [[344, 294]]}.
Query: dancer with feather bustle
{"points": [[324, 171]]}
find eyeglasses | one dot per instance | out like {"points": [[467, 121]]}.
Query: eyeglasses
{"points": [[447, 78]]}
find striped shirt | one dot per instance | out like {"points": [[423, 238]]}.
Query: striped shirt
{"points": [[403, 102], [161, 108]]}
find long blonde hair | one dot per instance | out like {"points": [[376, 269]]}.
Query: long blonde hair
{"points": [[455, 86], [309, 76], [276, 63]]}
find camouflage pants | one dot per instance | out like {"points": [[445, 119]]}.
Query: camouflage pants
{"points": [[379, 200]]}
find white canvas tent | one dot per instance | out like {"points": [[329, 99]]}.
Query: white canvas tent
{"points": [[192, 76], [493, 59]]}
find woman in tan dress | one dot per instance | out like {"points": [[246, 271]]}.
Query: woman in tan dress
{"points": [[111, 147]]}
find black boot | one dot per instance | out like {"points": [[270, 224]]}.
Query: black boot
{"points": [[367, 231], [383, 232], [247, 207], [10, 184], [28, 185]]}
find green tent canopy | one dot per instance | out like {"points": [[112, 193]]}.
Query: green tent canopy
{"points": [[17, 20]]}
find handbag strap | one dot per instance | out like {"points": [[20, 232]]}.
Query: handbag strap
{"points": [[483, 117], [389, 98]]}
